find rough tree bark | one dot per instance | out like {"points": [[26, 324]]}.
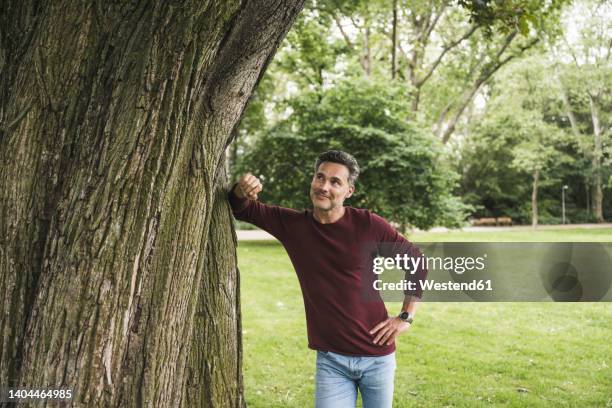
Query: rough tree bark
{"points": [[117, 255]]}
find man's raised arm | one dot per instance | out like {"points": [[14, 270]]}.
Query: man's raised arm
{"points": [[243, 200]]}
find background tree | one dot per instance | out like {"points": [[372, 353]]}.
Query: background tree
{"points": [[583, 60], [117, 262], [536, 154], [523, 127], [428, 43]]}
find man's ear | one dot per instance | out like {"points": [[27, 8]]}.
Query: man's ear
{"points": [[350, 192]]}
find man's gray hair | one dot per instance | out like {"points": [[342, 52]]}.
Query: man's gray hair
{"points": [[340, 157]]}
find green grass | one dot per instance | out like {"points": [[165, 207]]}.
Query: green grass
{"points": [[552, 235], [455, 355]]}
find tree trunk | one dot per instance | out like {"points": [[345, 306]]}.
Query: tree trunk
{"points": [[587, 186], [366, 61], [534, 198], [394, 41], [594, 200], [597, 193], [596, 162], [117, 254]]}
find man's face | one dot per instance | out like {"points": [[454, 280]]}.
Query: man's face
{"points": [[330, 187]]}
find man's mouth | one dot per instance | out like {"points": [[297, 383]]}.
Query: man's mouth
{"points": [[321, 195]]}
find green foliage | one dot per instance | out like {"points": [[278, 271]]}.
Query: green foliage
{"points": [[489, 181], [441, 55], [589, 91], [510, 15], [306, 56], [517, 136], [405, 176]]}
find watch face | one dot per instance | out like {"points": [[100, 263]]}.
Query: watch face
{"points": [[406, 316]]}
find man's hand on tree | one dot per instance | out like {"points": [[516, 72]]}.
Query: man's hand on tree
{"points": [[248, 187], [385, 332]]}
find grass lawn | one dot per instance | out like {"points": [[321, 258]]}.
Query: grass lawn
{"points": [[456, 355]]}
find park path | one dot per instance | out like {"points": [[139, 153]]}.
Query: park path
{"points": [[259, 235]]}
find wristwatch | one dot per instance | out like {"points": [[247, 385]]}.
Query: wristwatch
{"points": [[406, 317]]}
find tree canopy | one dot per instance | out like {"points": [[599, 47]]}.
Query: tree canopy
{"points": [[506, 87]]}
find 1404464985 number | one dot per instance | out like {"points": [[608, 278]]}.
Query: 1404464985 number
{"points": [[23, 394]]}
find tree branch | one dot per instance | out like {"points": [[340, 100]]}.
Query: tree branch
{"points": [[447, 48], [349, 43], [485, 75], [433, 24]]}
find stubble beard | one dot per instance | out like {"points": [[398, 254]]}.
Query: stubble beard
{"points": [[318, 204]]}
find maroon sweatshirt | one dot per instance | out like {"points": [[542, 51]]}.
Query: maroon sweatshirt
{"points": [[333, 263]]}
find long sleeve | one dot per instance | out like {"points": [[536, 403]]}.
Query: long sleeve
{"points": [[270, 218]]}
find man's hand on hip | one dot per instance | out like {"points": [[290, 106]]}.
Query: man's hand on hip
{"points": [[248, 187], [386, 331]]}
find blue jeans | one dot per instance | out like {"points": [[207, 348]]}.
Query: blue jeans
{"points": [[338, 377]]}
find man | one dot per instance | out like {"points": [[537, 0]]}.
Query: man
{"points": [[354, 339]]}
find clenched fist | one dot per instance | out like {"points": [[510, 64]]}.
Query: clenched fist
{"points": [[248, 187]]}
